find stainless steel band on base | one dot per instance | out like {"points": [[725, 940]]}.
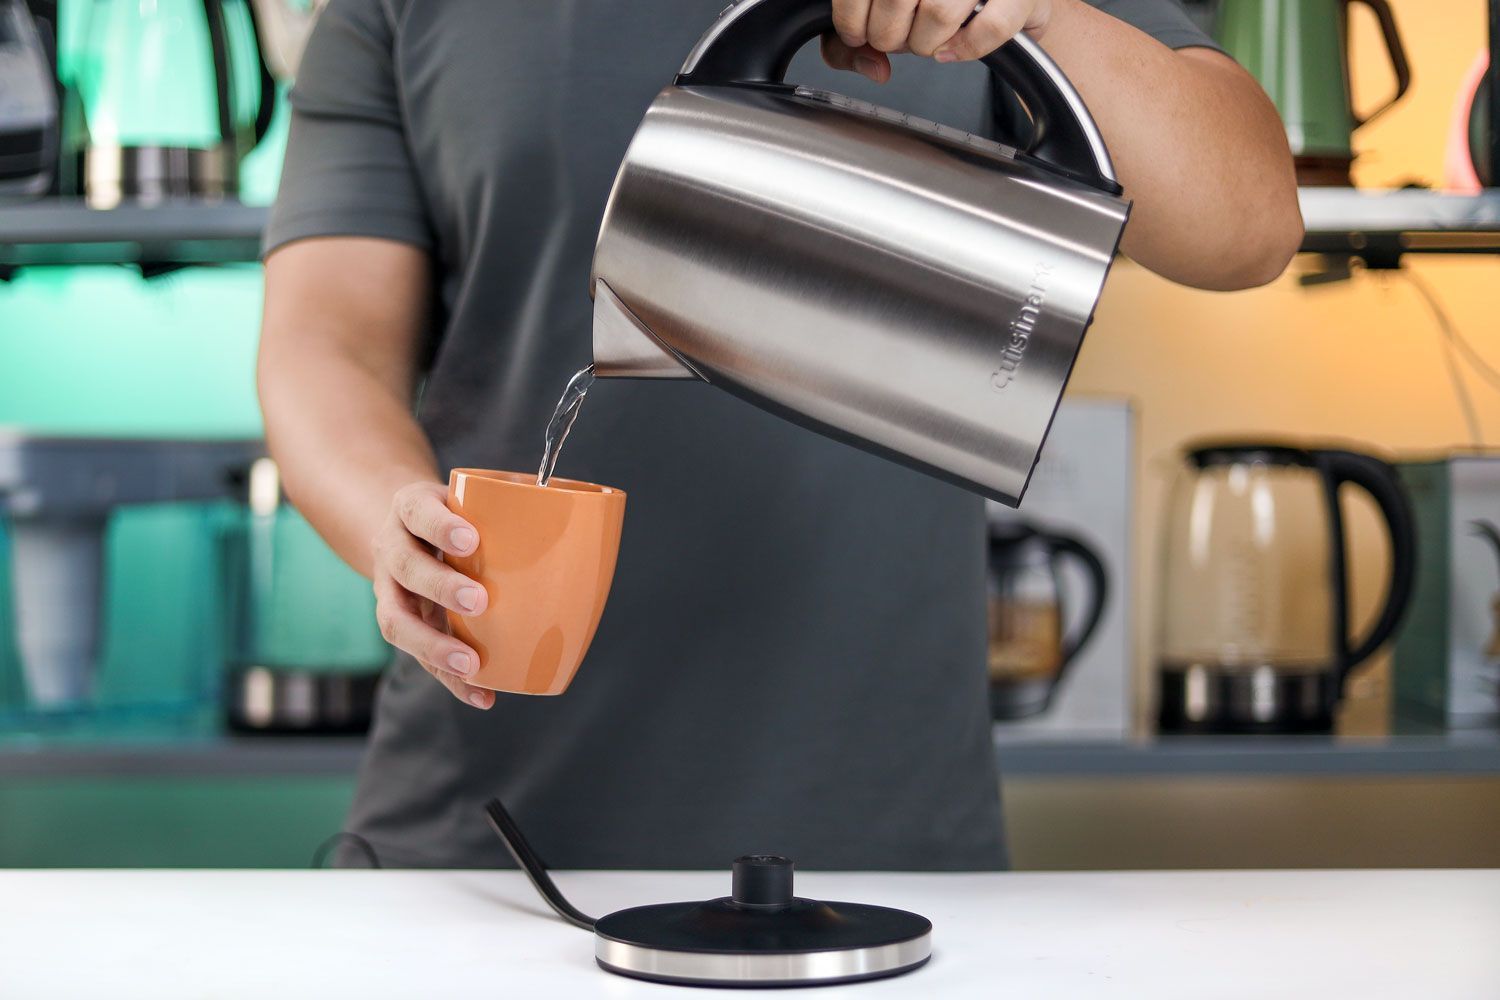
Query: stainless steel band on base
{"points": [[746, 969], [152, 174], [1202, 698]]}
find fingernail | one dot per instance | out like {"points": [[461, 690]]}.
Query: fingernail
{"points": [[476, 699], [468, 598], [463, 539], [946, 56], [460, 663], [866, 66]]}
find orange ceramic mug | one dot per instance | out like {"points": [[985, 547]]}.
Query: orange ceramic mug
{"points": [[546, 557]]}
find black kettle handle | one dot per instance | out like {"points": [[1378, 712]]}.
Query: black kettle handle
{"points": [[1380, 480], [1067, 545], [753, 42], [223, 56], [1397, 51], [218, 42], [265, 111]]}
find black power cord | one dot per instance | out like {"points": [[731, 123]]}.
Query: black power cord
{"points": [[320, 856], [526, 859]]}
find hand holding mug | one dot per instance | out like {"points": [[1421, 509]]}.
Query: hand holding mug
{"points": [[415, 591], [548, 553]]}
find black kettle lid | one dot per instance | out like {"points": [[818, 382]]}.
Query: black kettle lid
{"points": [[1209, 454]]}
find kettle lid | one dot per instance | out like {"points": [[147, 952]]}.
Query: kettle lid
{"points": [[1219, 453]]}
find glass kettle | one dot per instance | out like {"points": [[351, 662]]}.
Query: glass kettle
{"points": [[1254, 626], [173, 95], [1029, 652]]}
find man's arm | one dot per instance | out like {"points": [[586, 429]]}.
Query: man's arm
{"points": [[336, 373], [343, 325], [1197, 144]]}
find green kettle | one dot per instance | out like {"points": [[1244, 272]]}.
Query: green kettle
{"points": [[173, 94], [1299, 51]]}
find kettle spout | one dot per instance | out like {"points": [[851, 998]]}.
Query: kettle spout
{"points": [[624, 347]]}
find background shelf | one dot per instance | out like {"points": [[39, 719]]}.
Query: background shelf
{"points": [[1411, 755], [1380, 226], [1377, 226], [55, 232]]}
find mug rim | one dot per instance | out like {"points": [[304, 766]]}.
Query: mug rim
{"points": [[527, 481]]}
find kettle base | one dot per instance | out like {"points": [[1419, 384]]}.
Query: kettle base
{"points": [[1011, 700], [1210, 700]]}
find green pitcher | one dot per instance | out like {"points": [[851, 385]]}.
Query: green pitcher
{"points": [[1299, 51]]}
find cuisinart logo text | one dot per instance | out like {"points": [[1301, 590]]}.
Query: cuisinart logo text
{"points": [[1021, 328]]}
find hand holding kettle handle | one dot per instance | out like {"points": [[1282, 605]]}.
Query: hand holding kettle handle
{"points": [[1381, 481], [753, 42]]}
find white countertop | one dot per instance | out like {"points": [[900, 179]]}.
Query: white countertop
{"points": [[1425, 935]]}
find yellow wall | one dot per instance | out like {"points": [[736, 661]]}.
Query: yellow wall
{"points": [[1360, 362]]}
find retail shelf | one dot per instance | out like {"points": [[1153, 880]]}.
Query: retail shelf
{"points": [[1377, 226], [192, 758], [1380, 226], [164, 236], [1476, 754]]}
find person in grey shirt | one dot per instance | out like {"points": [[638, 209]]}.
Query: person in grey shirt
{"points": [[792, 658]]}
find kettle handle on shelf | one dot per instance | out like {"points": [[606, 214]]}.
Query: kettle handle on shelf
{"points": [[219, 51], [223, 55], [1397, 51], [753, 42], [1067, 545], [265, 111], [1381, 481]]}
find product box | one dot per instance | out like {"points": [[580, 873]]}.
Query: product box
{"points": [[1084, 486], [1446, 664]]}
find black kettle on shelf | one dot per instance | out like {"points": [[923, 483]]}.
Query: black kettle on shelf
{"points": [[1030, 649], [1255, 635]]}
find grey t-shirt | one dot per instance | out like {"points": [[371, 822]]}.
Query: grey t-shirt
{"points": [[793, 655]]}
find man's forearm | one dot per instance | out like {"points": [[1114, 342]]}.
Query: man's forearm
{"points": [[345, 444], [1197, 145]]}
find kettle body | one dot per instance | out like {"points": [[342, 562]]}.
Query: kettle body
{"points": [[173, 95], [1254, 629], [1299, 51], [1029, 652], [892, 282]]}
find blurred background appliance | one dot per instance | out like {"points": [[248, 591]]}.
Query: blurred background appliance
{"points": [[304, 653], [1254, 634], [166, 99], [1446, 666], [284, 26], [1467, 166], [1029, 653], [57, 495], [28, 104], [1060, 567], [1299, 51]]}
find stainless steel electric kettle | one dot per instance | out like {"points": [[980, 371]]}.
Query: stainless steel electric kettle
{"points": [[910, 288]]}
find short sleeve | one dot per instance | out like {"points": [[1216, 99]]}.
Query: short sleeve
{"points": [[1163, 20], [348, 168]]}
